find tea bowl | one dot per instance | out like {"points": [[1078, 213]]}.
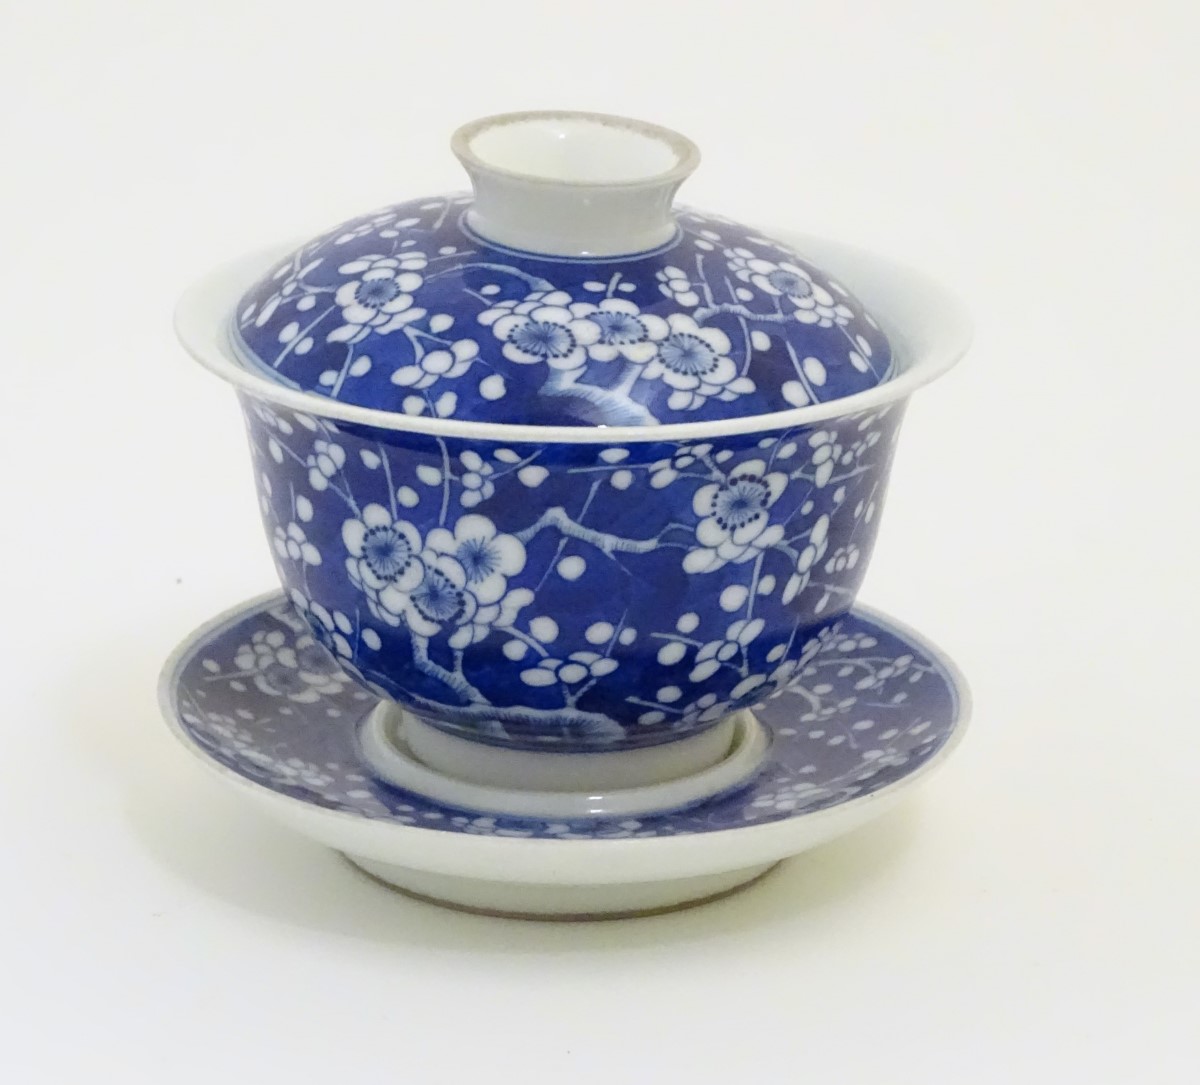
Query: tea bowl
{"points": [[591, 592]]}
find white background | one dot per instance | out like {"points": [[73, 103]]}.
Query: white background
{"points": [[1032, 916]]}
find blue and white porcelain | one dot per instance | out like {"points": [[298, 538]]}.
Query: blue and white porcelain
{"points": [[609, 596], [421, 308], [603, 590], [257, 698]]}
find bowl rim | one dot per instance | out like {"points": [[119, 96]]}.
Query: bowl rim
{"points": [[203, 317]]}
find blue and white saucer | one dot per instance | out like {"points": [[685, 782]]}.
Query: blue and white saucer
{"points": [[261, 704]]}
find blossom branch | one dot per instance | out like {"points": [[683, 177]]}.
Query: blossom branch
{"points": [[609, 544], [709, 311], [476, 712], [299, 337], [457, 682], [533, 281], [655, 704], [858, 349], [525, 638], [560, 383]]}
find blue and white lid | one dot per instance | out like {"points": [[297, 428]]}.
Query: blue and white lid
{"points": [[566, 290]]}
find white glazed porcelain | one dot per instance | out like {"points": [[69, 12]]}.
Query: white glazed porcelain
{"points": [[493, 766], [573, 184], [394, 745], [555, 900]]}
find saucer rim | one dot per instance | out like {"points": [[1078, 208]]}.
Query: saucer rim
{"points": [[574, 861]]}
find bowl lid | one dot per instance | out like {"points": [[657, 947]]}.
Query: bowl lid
{"points": [[565, 291]]}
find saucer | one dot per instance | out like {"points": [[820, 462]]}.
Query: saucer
{"points": [[259, 702]]}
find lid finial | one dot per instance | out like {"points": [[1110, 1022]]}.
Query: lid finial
{"points": [[573, 184]]}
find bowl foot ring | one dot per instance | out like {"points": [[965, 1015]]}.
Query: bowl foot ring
{"points": [[386, 751]]}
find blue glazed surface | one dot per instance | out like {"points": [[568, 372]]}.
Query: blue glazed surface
{"points": [[261, 697], [405, 310], [578, 596]]}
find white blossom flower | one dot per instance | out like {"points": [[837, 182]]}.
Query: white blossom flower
{"points": [[813, 302], [695, 362], [542, 328], [380, 298], [441, 598], [293, 771], [376, 222], [784, 675], [664, 472], [705, 709], [289, 276], [738, 636], [270, 417], [457, 581], [487, 826], [225, 731], [795, 796], [843, 558], [576, 668], [674, 283], [879, 674], [476, 479], [826, 454], [435, 364], [708, 708], [624, 330], [736, 523], [331, 628], [813, 551], [384, 561], [622, 830], [499, 615], [281, 668], [487, 559], [325, 461], [859, 642], [291, 542]]}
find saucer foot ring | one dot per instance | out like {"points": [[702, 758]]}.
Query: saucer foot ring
{"points": [[521, 900]]}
